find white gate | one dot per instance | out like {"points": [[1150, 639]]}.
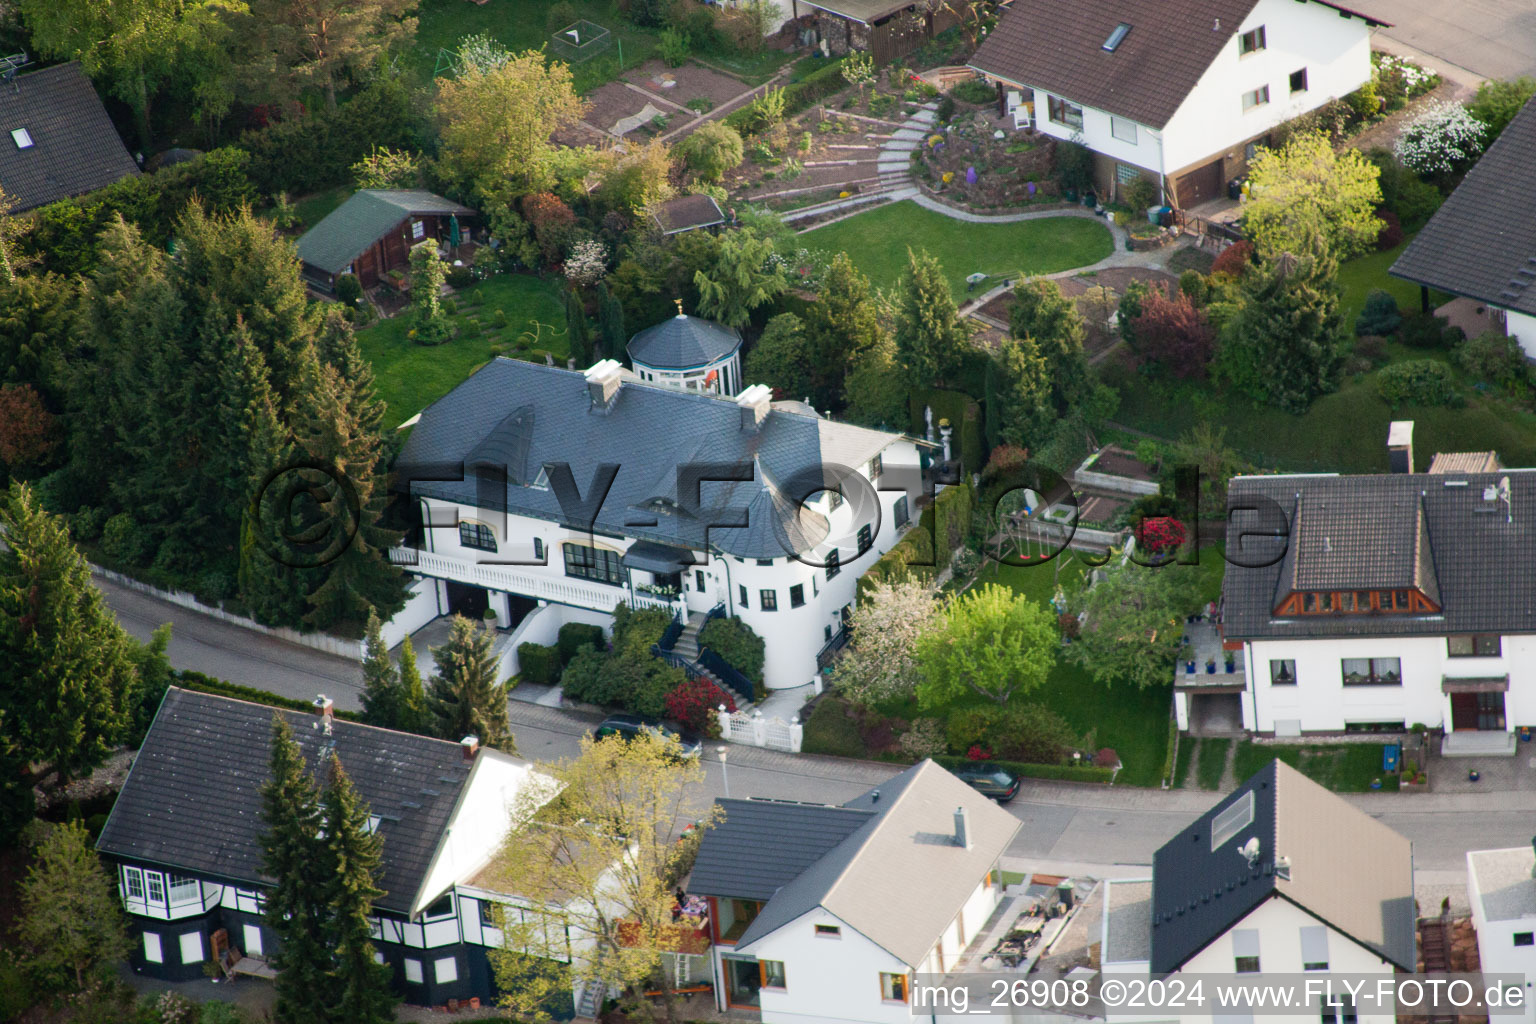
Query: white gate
{"points": [[755, 730]]}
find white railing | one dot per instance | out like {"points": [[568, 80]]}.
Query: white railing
{"points": [[506, 578], [755, 730]]}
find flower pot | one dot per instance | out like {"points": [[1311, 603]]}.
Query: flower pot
{"points": [[1375, 783], [1210, 668], [1474, 775], [1189, 666]]}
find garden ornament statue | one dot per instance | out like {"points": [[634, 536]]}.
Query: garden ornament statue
{"points": [[928, 418]]}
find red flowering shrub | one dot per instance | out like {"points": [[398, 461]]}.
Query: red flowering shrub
{"points": [[1174, 335], [1006, 458], [1391, 233], [1157, 534], [696, 703], [978, 753], [1106, 758], [1234, 259], [551, 221], [28, 432]]}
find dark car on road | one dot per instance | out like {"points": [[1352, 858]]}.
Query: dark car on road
{"points": [[989, 780], [634, 726]]}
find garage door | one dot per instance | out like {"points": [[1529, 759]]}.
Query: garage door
{"points": [[1199, 185]]}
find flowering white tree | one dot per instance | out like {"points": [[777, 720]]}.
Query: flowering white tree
{"points": [[587, 263], [886, 626], [481, 53], [1442, 139]]}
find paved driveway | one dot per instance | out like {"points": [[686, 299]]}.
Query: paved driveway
{"points": [[1491, 38]]}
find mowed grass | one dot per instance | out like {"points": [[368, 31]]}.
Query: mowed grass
{"points": [[410, 376], [1213, 759], [523, 25], [877, 242], [1346, 768]]}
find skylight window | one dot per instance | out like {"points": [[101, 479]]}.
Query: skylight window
{"points": [[1232, 820], [22, 138], [1116, 37]]}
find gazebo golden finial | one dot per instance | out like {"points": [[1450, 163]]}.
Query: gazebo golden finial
{"points": [[679, 306]]}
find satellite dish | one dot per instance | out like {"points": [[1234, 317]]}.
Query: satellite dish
{"points": [[1250, 851]]}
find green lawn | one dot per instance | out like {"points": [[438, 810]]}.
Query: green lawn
{"points": [[1346, 768], [313, 208], [521, 25], [1213, 760], [411, 376], [1186, 759], [1362, 275], [878, 241]]}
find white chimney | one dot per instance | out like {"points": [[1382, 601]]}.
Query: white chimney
{"points": [[754, 404], [469, 744], [962, 828], [603, 379]]}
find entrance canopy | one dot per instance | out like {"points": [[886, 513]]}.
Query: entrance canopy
{"points": [[653, 557]]}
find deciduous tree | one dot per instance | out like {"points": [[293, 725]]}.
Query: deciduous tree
{"points": [[1134, 620], [71, 922], [887, 623], [989, 641], [1173, 336], [711, 149], [1307, 189]]}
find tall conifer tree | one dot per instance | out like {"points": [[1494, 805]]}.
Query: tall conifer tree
{"points": [[353, 852], [295, 906], [465, 699], [381, 683]]}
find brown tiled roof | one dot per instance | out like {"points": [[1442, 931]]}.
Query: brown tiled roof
{"points": [[1058, 46], [74, 147]]}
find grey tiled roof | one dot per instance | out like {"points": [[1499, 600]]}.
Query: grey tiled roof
{"points": [[762, 845], [1481, 243], [686, 213], [1434, 532], [75, 148], [534, 415], [344, 233], [192, 801], [682, 343], [1347, 869], [1059, 47]]}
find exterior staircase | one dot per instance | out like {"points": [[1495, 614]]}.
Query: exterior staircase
{"points": [[591, 1001], [686, 647]]}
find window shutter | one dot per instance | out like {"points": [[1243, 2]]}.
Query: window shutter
{"points": [[1245, 942], [1314, 945]]}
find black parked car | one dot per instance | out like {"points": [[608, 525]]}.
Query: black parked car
{"points": [[633, 726], [989, 780]]}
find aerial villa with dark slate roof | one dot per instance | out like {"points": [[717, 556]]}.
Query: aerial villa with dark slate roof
{"points": [[184, 839], [689, 352], [1381, 602], [485, 465]]}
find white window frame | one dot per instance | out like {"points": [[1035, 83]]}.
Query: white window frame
{"points": [[445, 970], [155, 880], [22, 138], [1117, 124], [154, 952], [1260, 41], [191, 947], [413, 974], [132, 876], [181, 882], [418, 230]]}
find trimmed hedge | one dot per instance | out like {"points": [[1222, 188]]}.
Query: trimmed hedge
{"points": [[573, 635], [946, 522], [1062, 772], [190, 680], [539, 665], [1173, 747]]}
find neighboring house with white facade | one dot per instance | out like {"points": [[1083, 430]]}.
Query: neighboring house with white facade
{"points": [[1502, 892], [1282, 877], [688, 352], [184, 839], [850, 901], [489, 462], [1383, 602], [1180, 92], [1481, 243]]}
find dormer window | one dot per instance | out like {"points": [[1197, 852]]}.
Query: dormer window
{"points": [[541, 483], [1354, 602], [1116, 37], [22, 138]]}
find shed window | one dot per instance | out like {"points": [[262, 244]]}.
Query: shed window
{"points": [[418, 229]]}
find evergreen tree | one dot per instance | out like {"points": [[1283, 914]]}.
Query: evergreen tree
{"points": [[413, 713], [360, 987], [351, 571], [69, 681], [295, 905], [465, 699], [877, 386], [34, 329], [1023, 393], [745, 275], [1043, 313], [71, 920], [381, 683], [1286, 343], [839, 326], [577, 331], [781, 358], [610, 322], [931, 338]]}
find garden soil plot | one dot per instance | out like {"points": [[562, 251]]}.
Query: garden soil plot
{"points": [[615, 108], [842, 156], [689, 82]]}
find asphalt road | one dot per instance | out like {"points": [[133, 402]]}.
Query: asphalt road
{"points": [[1084, 830], [1491, 38]]}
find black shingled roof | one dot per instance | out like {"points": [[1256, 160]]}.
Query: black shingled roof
{"points": [[74, 148], [762, 845], [1481, 243], [1468, 555], [192, 801]]}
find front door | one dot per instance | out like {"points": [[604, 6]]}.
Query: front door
{"points": [[1477, 711]]}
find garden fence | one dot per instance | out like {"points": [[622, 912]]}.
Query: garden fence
{"points": [[752, 729]]}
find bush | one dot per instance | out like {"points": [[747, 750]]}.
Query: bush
{"points": [[460, 277], [1404, 192], [831, 730], [540, 665], [1139, 195], [924, 738], [1234, 260], [711, 150], [974, 90], [696, 703], [1443, 140], [946, 110], [1173, 335], [1372, 349], [734, 640], [575, 635], [124, 541], [673, 47], [500, 318], [348, 290], [1497, 359], [1416, 382], [1074, 166], [1380, 315], [1496, 103], [1425, 330], [562, 14], [1391, 233], [1195, 286]]}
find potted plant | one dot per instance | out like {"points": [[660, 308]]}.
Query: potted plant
{"points": [[1231, 663], [1210, 666], [1189, 666]]}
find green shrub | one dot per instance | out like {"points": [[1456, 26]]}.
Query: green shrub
{"points": [[1380, 315], [575, 635], [540, 665], [673, 47], [734, 640], [974, 90], [1496, 358], [499, 318], [1416, 382], [1139, 195], [125, 541], [460, 277], [562, 14], [946, 109], [832, 730], [348, 290], [1195, 286], [1425, 330], [190, 680]]}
